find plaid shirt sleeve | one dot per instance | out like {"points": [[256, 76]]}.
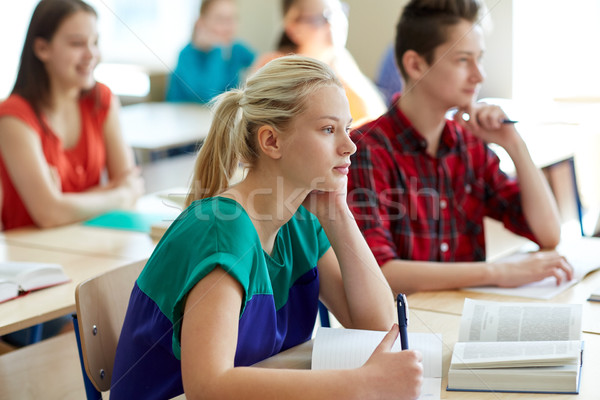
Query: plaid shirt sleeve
{"points": [[366, 181]]}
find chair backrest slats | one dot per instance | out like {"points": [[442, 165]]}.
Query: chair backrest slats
{"points": [[101, 306]]}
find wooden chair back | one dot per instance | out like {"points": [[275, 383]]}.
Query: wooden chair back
{"points": [[101, 306]]}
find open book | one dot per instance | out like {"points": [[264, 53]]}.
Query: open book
{"points": [[517, 347], [17, 278], [582, 253], [336, 348]]}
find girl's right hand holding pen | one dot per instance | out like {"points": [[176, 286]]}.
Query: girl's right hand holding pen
{"points": [[394, 375]]}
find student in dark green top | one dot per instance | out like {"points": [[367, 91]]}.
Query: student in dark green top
{"points": [[237, 277]]}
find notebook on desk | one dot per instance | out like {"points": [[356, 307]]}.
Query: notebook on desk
{"points": [[582, 253], [127, 220], [336, 348]]}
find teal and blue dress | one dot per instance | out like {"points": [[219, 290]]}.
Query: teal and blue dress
{"points": [[280, 301]]}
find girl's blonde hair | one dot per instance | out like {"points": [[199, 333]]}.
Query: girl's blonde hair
{"points": [[273, 96]]}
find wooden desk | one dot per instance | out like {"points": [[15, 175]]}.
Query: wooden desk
{"points": [[149, 127], [83, 251], [299, 357], [96, 241], [46, 304], [451, 301], [169, 172], [85, 240]]}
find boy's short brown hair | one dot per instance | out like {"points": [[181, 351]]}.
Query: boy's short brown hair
{"points": [[424, 24]]}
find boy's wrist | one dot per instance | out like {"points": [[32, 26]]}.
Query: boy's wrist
{"points": [[491, 274]]}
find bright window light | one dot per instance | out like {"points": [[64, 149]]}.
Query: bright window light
{"points": [[123, 79]]}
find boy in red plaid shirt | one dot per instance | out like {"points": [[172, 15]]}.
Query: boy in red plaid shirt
{"points": [[420, 184]]}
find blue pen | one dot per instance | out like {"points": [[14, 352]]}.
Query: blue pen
{"points": [[402, 320]]}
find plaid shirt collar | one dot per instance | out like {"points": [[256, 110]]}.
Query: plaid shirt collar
{"points": [[412, 141]]}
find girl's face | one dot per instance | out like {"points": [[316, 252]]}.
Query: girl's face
{"points": [[72, 54], [320, 24], [221, 21], [316, 148], [456, 73]]}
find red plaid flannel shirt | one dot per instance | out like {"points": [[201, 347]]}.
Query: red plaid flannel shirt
{"points": [[412, 206]]}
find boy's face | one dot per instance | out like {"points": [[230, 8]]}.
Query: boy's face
{"points": [[456, 73]]}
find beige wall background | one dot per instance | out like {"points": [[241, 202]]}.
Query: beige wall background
{"points": [[372, 27]]}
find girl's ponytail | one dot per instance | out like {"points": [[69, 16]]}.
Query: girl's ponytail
{"points": [[218, 158]]}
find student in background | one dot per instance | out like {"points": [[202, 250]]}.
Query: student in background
{"points": [[388, 78], [420, 185], [213, 61], [59, 129], [237, 277], [318, 29]]}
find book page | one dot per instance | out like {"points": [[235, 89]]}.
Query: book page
{"points": [[582, 253], [32, 275], [468, 355], [350, 348], [488, 321], [8, 290]]}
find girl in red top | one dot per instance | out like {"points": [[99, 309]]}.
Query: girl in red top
{"points": [[59, 129]]}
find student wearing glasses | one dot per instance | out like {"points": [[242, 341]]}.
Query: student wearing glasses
{"points": [[318, 29]]}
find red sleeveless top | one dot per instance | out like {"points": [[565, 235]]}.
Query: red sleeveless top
{"points": [[79, 167]]}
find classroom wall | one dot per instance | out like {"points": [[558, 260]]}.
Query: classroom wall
{"points": [[372, 27]]}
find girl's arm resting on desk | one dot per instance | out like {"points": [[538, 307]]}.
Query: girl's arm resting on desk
{"points": [[413, 276], [208, 345], [36, 182]]}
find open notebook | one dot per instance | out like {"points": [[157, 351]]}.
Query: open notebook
{"points": [[336, 348]]}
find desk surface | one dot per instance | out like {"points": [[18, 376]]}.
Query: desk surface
{"points": [[85, 240], [299, 357], [97, 241], [447, 325], [451, 301], [169, 172], [46, 304], [162, 125], [83, 251]]}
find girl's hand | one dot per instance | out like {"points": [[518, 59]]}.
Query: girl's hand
{"points": [[132, 185], [397, 375], [205, 37], [327, 204]]}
